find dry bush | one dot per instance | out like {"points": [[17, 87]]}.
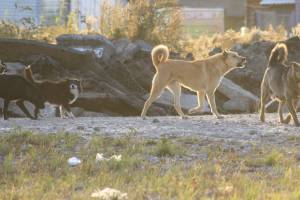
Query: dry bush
{"points": [[201, 46], [155, 22]]}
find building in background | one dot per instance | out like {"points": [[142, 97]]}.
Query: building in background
{"points": [[49, 12], [251, 7], [276, 13], [234, 10], [197, 21], [36, 11], [263, 13]]}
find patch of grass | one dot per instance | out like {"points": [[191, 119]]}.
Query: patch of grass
{"points": [[34, 166], [165, 147], [273, 158]]}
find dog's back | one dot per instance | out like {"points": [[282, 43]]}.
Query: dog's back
{"points": [[55, 92], [14, 87], [277, 70]]}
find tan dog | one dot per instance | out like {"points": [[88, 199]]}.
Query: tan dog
{"points": [[282, 83], [202, 76]]}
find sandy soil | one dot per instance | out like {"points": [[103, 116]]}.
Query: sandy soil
{"points": [[233, 128]]}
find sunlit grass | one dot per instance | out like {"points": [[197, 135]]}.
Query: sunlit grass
{"points": [[34, 166]]}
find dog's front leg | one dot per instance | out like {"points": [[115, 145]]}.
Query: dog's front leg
{"points": [[293, 112], [62, 112], [36, 113], [201, 101], [5, 109], [68, 111], [212, 104]]}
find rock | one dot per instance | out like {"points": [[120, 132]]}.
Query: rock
{"points": [[189, 57], [14, 68], [239, 106], [81, 128], [120, 45], [240, 99], [187, 100], [99, 45], [86, 40], [128, 53], [144, 46], [154, 121]]}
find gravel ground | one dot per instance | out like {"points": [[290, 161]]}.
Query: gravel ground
{"points": [[233, 128]]}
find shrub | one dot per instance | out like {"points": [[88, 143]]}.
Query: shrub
{"points": [[156, 22]]}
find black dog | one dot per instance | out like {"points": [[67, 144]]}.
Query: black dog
{"points": [[62, 93], [16, 88]]}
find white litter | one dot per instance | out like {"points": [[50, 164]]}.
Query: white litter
{"points": [[116, 157], [109, 194], [74, 161], [100, 157]]}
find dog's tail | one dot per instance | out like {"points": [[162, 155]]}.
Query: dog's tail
{"points": [[159, 54], [279, 54], [28, 74]]}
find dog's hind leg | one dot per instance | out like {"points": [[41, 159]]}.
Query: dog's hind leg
{"points": [[212, 103], [201, 101], [293, 112], [280, 113], [20, 104], [288, 118], [175, 88], [158, 85], [5, 109]]}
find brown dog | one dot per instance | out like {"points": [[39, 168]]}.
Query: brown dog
{"points": [[62, 93], [202, 76], [281, 82]]}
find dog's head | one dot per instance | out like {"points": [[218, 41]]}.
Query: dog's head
{"points": [[74, 85], [233, 59]]}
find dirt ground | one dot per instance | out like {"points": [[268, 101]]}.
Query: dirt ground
{"points": [[233, 128]]}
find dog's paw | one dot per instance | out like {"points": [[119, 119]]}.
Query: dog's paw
{"points": [[195, 110], [184, 117]]}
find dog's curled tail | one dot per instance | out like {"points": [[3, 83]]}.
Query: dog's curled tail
{"points": [[159, 54], [279, 54], [28, 74]]}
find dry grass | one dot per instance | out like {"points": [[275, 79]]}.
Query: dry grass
{"points": [[34, 166], [205, 43], [156, 23]]}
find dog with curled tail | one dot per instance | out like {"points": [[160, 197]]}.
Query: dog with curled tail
{"points": [[281, 82], [202, 76]]}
